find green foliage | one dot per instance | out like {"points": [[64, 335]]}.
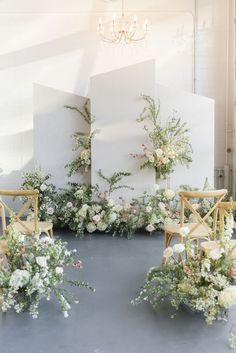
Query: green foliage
{"points": [[114, 180], [82, 161], [169, 143], [47, 201]]}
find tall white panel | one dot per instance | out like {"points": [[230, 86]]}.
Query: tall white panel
{"points": [[116, 104], [198, 113], [54, 126]]}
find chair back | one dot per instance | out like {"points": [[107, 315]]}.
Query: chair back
{"points": [[31, 202], [186, 196]]}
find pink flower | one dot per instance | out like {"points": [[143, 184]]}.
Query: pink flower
{"points": [[69, 204], [78, 264]]}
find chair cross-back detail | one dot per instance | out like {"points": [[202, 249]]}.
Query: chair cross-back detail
{"points": [[200, 229], [224, 208], [23, 226]]}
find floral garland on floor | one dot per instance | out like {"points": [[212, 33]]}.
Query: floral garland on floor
{"points": [[206, 283], [32, 268], [84, 209]]}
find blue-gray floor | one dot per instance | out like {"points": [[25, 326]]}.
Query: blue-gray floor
{"points": [[105, 321]]}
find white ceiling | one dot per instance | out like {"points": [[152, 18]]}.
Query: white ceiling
{"points": [[92, 5]]}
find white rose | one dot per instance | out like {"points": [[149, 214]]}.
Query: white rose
{"points": [[112, 217], [151, 159], [85, 154], [179, 248], [111, 202], [162, 206], [43, 187], [69, 204], [184, 231], [169, 194], [19, 278], [168, 252], [79, 193], [59, 270], [41, 261], [215, 254], [165, 160], [150, 228], [227, 297], [91, 227], [101, 226], [118, 208], [159, 152], [96, 218], [148, 209]]}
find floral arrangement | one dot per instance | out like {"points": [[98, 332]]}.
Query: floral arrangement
{"points": [[169, 143], [203, 283], [32, 268], [47, 200], [82, 161]]}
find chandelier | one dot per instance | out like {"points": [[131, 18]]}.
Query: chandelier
{"points": [[123, 30]]}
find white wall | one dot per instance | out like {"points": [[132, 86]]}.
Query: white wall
{"points": [[116, 104], [55, 44], [198, 113], [54, 126]]}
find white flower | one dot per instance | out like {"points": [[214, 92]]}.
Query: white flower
{"points": [[159, 152], [101, 226], [69, 204], [91, 227], [215, 254], [59, 270], [43, 187], [41, 261], [50, 210], [65, 314], [148, 209], [83, 210], [169, 194], [151, 159], [127, 206], [150, 228], [165, 160], [85, 154], [227, 297], [112, 217], [118, 208], [79, 193], [21, 238], [162, 206], [19, 278], [111, 202], [179, 248], [184, 231], [96, 218], [168, 252]]}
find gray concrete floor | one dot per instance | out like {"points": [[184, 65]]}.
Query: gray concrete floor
{"points": [[105, 321]]}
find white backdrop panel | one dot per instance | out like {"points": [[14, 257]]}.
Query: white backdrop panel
{"points": [[54, 126], [198, 113], [116, 104]]}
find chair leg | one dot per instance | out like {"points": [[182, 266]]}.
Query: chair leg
{"points": [[51, 233], [168, 237]]}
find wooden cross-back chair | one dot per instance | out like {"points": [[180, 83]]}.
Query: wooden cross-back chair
{"points": [[224, 210], [200, 229], [27, 227]]}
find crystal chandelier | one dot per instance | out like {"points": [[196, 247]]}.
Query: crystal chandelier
{"points": [[123, 30]]}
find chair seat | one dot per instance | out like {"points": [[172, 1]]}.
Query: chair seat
{"points": [[213, 245], [199, 232], [3, 247], [44, 226]]}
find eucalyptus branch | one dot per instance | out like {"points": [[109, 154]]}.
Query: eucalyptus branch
{"points": [[114, 180]]}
